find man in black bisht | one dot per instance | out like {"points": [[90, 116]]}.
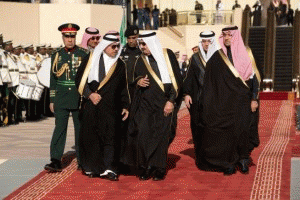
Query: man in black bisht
{"points": [[193, 83], [226, 111], [101, 80], [130, 53], [158, 78], [254, 85]]}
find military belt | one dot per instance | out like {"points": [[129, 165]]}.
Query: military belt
{"points": [[66, 83], [14, 70]]}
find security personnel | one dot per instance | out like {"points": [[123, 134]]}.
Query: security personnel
{"points": [[130, 53], [64, 97]]}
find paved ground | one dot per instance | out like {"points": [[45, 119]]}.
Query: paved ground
{"points": [[24, 150]]}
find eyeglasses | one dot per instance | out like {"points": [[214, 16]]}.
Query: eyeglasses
{"points": [[95, 38], [115, 46], [142, 44], [69, 36]]}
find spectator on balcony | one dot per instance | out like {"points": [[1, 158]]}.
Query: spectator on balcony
{"points": [[134, 14], [198, 8], [173, 17], [165, 17], [257, 13], [219, 16], [290, 16], [146, 17], [236, 5], [141, 18], [155, 15], [283, 10]]}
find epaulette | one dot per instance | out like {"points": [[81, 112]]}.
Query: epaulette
{"points": [[38, 58], [57, 50], [84, 50], [26, 57]]}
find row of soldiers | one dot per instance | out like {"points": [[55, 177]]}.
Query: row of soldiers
{"points": [[18, 64]]}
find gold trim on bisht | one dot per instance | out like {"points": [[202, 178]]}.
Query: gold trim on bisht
{"points": [[254, 66], [85, 75], [231, 67], [153, 74], [202, 59], [170, 70], [108, 75]]}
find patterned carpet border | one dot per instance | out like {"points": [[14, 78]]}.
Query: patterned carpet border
{"points": [[267, 181]]}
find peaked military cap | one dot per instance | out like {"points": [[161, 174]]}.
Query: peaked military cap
{"points": [[41, 45], [7, 42], [68, 28], [28, 46], [131, 30], [19, 46]]}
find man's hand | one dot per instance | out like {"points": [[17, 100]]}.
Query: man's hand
{"points": [[169, 107], [188, 101], [254, 105], [144, 82], [95, 98], [125, 112], [51, 106]]}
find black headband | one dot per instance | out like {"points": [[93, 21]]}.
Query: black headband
{"points": [[111, 39], [147, 35], [115, 34], [207, 36], [90, 32], [230, 28]]}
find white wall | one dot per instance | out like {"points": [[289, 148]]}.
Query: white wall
{"points": [[53, 15], [37, 23]]}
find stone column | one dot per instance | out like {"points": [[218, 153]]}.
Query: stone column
{"points": [[270, 46], [246, 23]]}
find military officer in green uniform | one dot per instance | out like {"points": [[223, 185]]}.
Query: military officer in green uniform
{"points": [[64, 98]]}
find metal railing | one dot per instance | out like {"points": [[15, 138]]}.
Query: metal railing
{"points": [[205, 17]]}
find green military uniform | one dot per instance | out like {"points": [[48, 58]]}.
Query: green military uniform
{"points": [[64, 95]]}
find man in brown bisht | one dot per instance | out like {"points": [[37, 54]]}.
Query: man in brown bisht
{"points": [[158, 80], [193, 83], [226, 106], [101, 80]]}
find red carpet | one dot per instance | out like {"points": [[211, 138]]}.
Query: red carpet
{"points": [[269, 178], [276, 95]]}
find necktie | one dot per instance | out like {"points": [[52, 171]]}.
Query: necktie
{"points": [[154, 66], [184, 66], [101, 69], [229, 55]]}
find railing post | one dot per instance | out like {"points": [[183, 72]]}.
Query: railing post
{"points": [[270, 46], [296, 47], [246, 22], [296, 53]]}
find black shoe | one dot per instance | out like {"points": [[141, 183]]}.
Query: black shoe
{"points": [[159, 176], [54, 166], [93, 175], [111, 176], [147, 174], [244, 166], [229, 171]]}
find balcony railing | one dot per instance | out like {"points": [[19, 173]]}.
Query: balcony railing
{"points": [[205, 17]]}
